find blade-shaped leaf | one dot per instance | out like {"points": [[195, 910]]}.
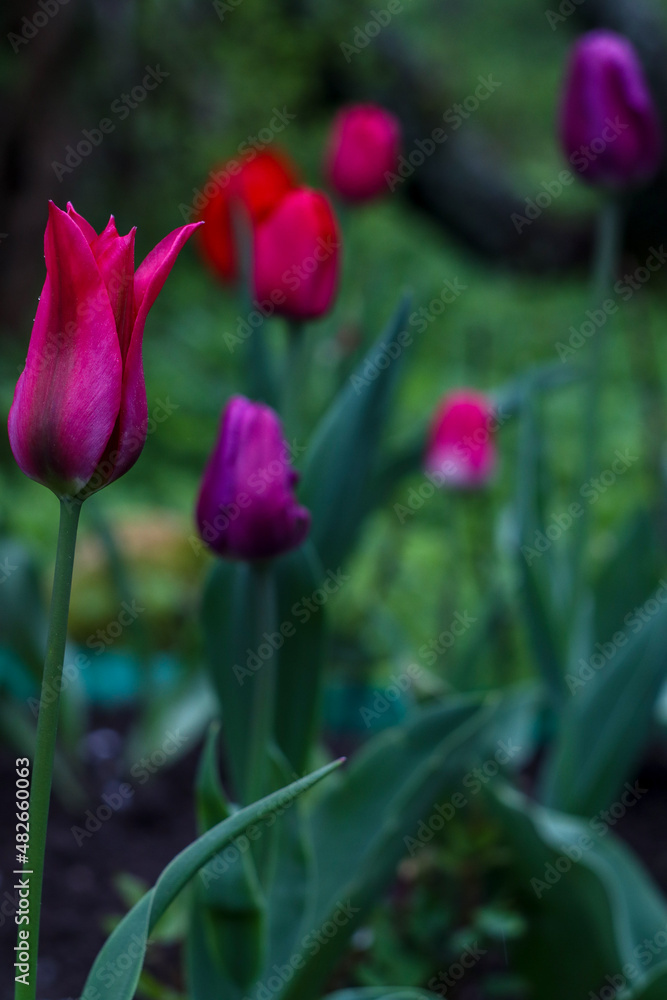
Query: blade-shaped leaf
{"points": [[343, 456], [363, 827], [608, 718], [587, 900], [125, 950]]}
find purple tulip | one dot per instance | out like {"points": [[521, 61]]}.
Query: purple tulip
{"points": [[609, 126], [79, 417], [246, 507]]}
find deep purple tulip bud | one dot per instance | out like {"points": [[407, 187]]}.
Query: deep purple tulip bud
{"points": [[609, 126], [247, 508]]}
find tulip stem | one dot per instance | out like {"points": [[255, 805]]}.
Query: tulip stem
{"points": [[47, 726], [607, 248], [262, 584], [293, 380]]}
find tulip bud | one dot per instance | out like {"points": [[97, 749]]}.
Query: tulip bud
{"points": [[258, 183], [296, 255], [461, 453], [246, 507], [364, 146], [609, 126], [80, 417]]}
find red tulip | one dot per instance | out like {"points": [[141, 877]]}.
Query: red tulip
{"points": [[258, 183], [363, 147], [79, 417], [246, 507], [296, 255], [609, 125], [461, 452]]}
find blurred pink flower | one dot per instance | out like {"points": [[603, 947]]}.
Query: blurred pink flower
{"points": [[460, 452]]}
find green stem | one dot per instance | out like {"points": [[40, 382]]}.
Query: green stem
{"points": [[607, 247], [47, 726], [293, 379], [264, 682]]}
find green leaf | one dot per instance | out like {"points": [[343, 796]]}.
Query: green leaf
{"points": [[364, 825], [227, 930], [608, 718], [339, 474], [382, 993], [125, 950], [538, 570], [301, 659], [587, 919]]}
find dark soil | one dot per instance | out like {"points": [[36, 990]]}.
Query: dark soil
{"points": [[143, 836]]}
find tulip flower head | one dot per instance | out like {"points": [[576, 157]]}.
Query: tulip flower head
{"points": [[363, 148], [247, 508], [461, 453], [296, 256], [258, 183], [79, 417], [609, 126]]}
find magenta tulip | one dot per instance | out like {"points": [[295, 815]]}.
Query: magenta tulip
{"points": [[461, 452], [609, 126], [296, 256], [363, 148], [246, 507], [79, 417]]}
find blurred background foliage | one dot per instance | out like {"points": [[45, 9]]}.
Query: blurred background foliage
{"points": [[227, 70]]}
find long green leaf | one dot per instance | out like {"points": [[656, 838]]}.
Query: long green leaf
{"points": [[589, 920], [343, 457], [116, 971], [608, 718], [364, 825]]}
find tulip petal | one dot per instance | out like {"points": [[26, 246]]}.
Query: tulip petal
{"points": [[82, 223], [130, 433], [67, 399], [115, 258]]}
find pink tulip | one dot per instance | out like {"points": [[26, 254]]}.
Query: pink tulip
{"points": [[296, 256], [461, 452], [79, 417], [610, 129], [246, 507], [363, 147]]}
